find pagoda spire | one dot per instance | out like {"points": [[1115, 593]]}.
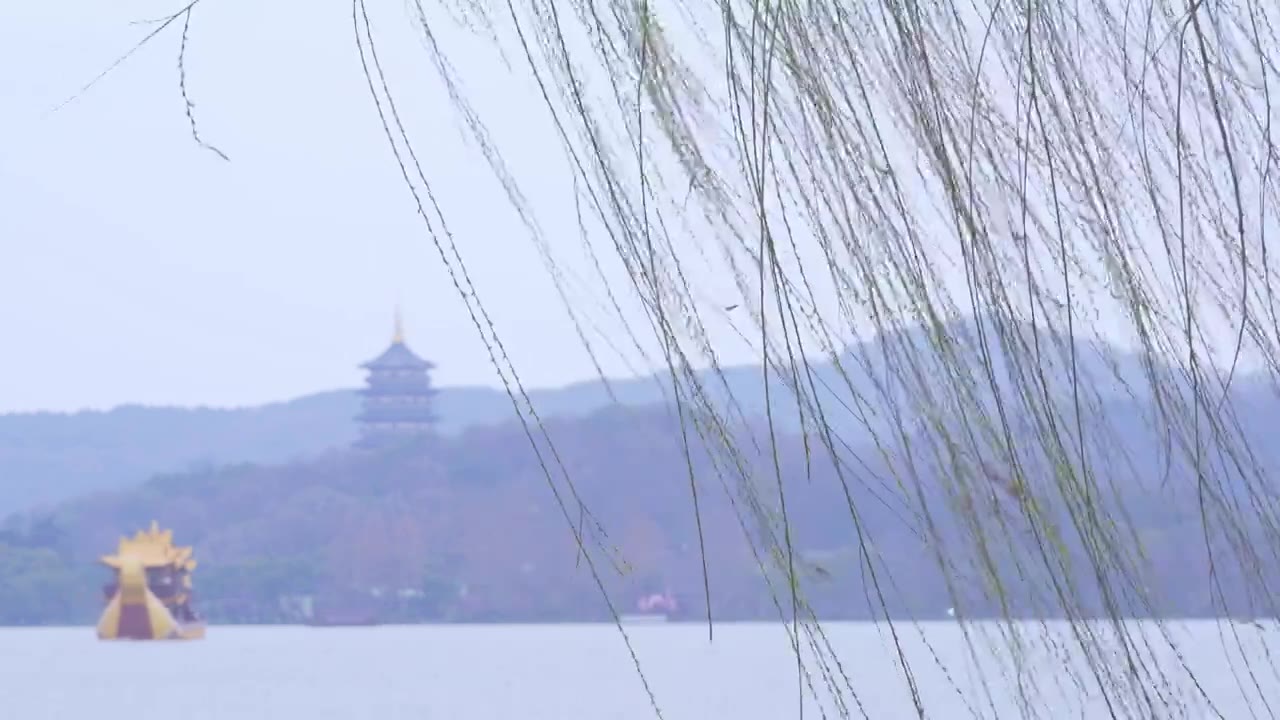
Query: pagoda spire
{"points": [[398, 394]]}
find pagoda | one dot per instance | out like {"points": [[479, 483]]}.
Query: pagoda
{"points": [[397, 396]]}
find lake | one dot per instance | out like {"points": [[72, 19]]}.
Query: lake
{"points": [[570, 672]]}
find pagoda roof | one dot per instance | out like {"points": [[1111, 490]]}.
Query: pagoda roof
{"points": [[398, 357], [397, 415], [382, 390]]}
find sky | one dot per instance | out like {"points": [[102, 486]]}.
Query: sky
{"points": [[141, 268], [138, 267]]}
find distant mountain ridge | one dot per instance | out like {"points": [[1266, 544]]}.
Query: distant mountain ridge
{"points": [[46, 458], [276, 513], [467, 526]]}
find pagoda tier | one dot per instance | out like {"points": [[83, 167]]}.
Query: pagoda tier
{"points": [[398, 396], [380, 384]]}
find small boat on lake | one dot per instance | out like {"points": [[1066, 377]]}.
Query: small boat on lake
{"points": [[150, 594], [654, 608]]}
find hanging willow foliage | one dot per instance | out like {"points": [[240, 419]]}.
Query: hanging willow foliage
{"points": [[985, 187]]}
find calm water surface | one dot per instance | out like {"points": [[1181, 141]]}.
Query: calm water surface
{"points": [[585, 672]]}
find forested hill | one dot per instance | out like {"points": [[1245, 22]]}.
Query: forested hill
{"points": [[476, 527], [49, 457]]}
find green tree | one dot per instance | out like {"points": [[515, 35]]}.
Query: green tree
{"points": [[37, 587]]}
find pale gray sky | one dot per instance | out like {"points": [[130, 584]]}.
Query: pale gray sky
{"points": [[137, 267]]}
